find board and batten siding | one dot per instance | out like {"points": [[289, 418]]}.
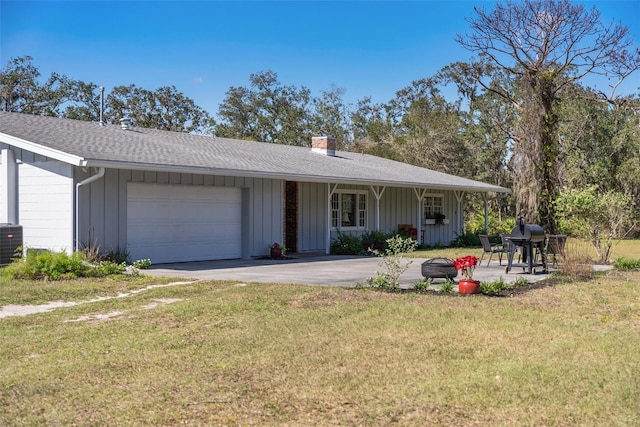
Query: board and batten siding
{"points": [[103, 213], [398, 205], [312, 214], [46, 205]]}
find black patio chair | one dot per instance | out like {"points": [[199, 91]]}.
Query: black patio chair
{"points": [[489, 248]]}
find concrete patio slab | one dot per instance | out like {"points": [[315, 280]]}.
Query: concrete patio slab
{"points": [[328, 270]]}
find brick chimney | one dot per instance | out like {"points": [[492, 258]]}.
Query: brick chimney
{"points": [[325, 145]]}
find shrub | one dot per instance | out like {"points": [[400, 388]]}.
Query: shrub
{"points": [[623, 263], [375, 238], [345, 244], [398, 244], [142, 264], [422, 285], [58, 265], [576, 264], [393, 262], [494, 287], [448, 286], [50, 265], [106, 268], [118, 255], [495, 227], [466, 240]]}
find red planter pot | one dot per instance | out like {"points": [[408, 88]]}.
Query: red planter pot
{"points": [[467, 286], [276, 253]]}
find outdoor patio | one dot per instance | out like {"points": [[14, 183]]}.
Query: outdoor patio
{"points": [[329, 270]]}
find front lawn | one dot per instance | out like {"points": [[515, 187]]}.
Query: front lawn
{"points": [[223, 353]]}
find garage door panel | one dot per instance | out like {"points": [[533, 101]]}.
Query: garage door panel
{"points": [[170, 223]]}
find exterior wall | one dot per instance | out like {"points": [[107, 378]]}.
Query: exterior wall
{"points": [[46, 211], [444, 233], [103, 212], [397, 206], [312, 224]]}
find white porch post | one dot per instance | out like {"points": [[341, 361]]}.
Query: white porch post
{"points": [[8, 192], [420, 195], [377, 192], [486, 213], [459, 197], [330, 190]]}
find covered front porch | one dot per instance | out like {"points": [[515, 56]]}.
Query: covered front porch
{"points": [[317, 213]]}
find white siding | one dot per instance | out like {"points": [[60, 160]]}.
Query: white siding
{"points": [[46, 205], [103, 212], [312, 225]]}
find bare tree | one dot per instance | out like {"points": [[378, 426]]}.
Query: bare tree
{"points": [[545, 46]]}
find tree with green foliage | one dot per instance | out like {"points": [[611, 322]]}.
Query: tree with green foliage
{"points": [[164, 108], [266, 111], [596, 216], [330, 116], [545, 46], [427, 129], [21, 91]]}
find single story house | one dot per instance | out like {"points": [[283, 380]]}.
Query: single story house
{"points": [[174, 197]]}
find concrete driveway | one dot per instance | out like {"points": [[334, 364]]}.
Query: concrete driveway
{"points": [[329, 270]]}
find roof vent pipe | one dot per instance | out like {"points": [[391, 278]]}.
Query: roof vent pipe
{"points": [[101, 105], [125, 123]]}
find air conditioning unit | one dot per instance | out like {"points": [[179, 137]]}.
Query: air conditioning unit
{"points": [[10, 241]]}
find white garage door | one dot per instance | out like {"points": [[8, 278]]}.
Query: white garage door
{"points": [[175, 223]]}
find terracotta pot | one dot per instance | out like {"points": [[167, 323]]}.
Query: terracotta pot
{"points": [[276, 252], [468, 286]]}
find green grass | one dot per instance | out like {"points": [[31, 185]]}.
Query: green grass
{"points": [[215, 353], [621, 248]]}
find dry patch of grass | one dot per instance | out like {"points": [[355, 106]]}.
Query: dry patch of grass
{"points": [[299, 355]]}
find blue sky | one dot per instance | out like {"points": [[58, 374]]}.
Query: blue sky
{"points": [[370, 48]]}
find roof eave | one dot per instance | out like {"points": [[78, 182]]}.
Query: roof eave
{"points": [[290, 177], [42, 150]]}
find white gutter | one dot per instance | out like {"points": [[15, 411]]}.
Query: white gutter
{"points": [[89, 180]]}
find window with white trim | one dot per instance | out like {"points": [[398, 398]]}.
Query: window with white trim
{"points": [[349, 209], [433, 204]]}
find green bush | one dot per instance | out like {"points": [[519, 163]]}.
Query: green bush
{"points": [[375, 238], [106, 268], [345, 244], [627, 263], [466, 240], [495, 226], [399, 244], [494, 287], [142, 264], [50, 265], [118, 255], [448, 286], [422, 285], [58, 265]]}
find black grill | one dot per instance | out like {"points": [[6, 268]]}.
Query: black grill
{"points": [[530, 239]]}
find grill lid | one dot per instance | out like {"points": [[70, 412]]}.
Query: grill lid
{"points": [[527, 232]]}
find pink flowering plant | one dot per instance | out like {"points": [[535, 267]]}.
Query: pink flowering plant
{"points": [[466, 265]]}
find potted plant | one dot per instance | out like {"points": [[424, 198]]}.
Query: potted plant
{"points": [[276, 250], [466, 265], [436, 218]]}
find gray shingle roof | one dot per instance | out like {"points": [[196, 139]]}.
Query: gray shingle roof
{"points": [[89, 144]]}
